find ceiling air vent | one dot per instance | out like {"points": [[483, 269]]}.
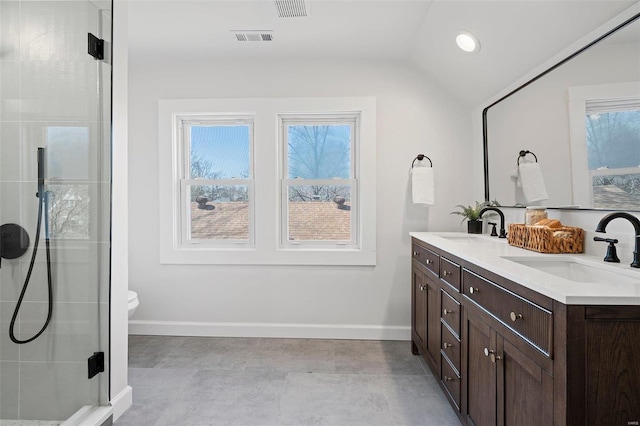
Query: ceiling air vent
{"points": [[290, 8], [253, 35]]}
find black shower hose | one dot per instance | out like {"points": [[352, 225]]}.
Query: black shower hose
{"points": [[42, 195]]}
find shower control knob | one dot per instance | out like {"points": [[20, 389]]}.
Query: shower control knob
{"points": [[14, 241]]}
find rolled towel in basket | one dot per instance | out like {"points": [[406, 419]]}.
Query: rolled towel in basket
{"points": [[422, 185], [533, 186]]}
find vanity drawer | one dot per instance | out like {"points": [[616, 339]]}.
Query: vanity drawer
{"points": [[450, 347], [527, 319], [428, 258], [450, 272], [450, 380], [450, 312]]}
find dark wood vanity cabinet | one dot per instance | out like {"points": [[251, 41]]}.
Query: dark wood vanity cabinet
{"points": [[505, 386], [425, 305], [603, 363], [506, 355]]}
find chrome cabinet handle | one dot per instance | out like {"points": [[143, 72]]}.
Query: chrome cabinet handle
{"points": [[423, 287], [429, 261], [416, 253], [446, 273], [447, 312], [447, 378], [447, 345], [515, 317], [473, 290]]}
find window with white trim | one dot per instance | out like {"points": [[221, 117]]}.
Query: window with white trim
{"points": [[604, 125], [216, 180], [319, 190], [267, 181]]}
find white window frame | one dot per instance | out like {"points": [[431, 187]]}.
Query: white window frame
{"points": [[352, 119], [579, 97], [267, 164], [184, 124]]}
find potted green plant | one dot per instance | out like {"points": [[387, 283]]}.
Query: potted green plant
{"points": [[472, 214]]}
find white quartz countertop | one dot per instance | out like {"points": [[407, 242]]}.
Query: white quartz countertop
{"points": [[492, 254]]}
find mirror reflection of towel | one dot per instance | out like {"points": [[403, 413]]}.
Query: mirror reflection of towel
{"points": [[422, 185], [533, 186]]}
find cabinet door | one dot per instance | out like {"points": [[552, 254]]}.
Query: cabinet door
{"points": [[613, 363], [433, 321], [525, 390], [419, 307], [480, 370]]}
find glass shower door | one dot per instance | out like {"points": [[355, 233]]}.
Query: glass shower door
{"points": [[55, 96]]}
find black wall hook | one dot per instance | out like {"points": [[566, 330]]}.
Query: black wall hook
{"points": [[421, 157], [523, 153]]}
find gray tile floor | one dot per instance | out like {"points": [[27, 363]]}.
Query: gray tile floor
{"points": [[253, 381]]}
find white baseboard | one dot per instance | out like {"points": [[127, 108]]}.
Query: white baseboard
{"points": [[121, 402], [300, 331]]}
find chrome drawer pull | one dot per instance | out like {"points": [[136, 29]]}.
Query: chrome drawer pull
{"points": [[447, 379], [446, 273], [447, 345], [447, 312], [474, 290], [429, 261], [423, 287], [515, 317], [416, 253]]}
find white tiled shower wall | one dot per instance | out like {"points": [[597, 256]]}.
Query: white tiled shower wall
{"points": [[47, 79]]}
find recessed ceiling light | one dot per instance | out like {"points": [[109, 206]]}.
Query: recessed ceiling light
{"points": [[467, 42]]}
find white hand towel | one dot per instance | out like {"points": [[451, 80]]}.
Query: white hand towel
{"points": [[533, 186], [515, 175], [422, 185]]}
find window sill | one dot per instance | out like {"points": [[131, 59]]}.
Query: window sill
{"points": [[253, 256]]}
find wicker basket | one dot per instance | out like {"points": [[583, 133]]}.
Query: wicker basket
{"points": [[542, 239]]}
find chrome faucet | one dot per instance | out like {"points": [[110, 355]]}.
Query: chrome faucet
{"points": [[503, 234], [636, 225]]}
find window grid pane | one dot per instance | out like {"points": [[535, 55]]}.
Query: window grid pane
{"points": [[319, 212], [219, 151], [613, 147], [319, 151], [224, 216]]}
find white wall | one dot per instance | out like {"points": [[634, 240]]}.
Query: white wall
{"points": [[120, 393], [414, 116]]}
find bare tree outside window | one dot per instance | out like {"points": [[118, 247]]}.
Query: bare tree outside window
{"points": [[69, 211], [320, 181], [319, 152]]}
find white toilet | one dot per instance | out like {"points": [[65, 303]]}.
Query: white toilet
{"points": [[133, 302]]}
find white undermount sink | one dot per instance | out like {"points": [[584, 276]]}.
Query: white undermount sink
{"points": [[578, 270]]}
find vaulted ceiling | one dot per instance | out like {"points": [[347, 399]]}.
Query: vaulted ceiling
{"points": [[515, 35]]}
